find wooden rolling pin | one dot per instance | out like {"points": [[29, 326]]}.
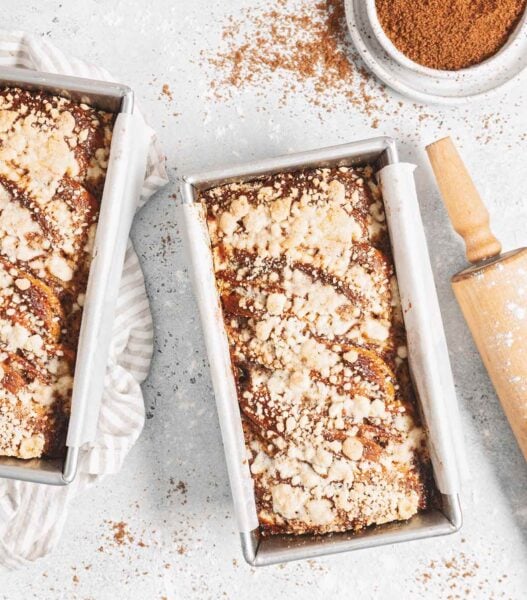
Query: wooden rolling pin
{"points": [[492, 293]]}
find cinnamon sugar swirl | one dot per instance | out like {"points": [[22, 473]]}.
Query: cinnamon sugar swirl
{"points": [[318, 346]]}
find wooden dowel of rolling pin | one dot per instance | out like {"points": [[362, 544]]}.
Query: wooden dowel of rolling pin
{"points": [[492, 294]]}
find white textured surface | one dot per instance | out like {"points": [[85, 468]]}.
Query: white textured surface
{"points": [[184, 543]]}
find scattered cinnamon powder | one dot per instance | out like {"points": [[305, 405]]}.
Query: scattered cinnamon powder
{"points": [[121, 533], [179, 488], [454, 578], [166, 91], [449, 34], [302, 45]]}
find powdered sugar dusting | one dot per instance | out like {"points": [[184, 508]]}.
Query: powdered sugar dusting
{"points": [[517, 311]]}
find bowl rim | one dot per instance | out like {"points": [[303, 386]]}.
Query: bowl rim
{"points": [[403, 60]]}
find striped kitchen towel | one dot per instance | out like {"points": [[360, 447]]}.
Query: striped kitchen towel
{"points": [[32, 516]]}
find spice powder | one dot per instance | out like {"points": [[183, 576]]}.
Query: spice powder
{"points": [[449, 34], [305, 44]]}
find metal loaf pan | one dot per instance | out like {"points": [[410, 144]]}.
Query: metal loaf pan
{"points": [[119, 99], [257, 549]]}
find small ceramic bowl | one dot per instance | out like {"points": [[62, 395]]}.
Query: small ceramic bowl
{"points": [[480, 69]]}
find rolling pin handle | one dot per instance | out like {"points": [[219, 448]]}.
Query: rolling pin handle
{"points": [[465, 208]]}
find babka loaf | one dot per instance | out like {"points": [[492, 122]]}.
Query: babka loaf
{"points": [[53, 160], [311, 308]]}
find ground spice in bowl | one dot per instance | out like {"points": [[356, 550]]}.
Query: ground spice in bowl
{"points": [[449, 34]]}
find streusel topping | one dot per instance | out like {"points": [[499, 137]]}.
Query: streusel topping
{"points": [[53, 159], [312, 312]]}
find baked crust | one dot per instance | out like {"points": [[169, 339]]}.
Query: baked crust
{"points": [[311, 308], [53, 159]]}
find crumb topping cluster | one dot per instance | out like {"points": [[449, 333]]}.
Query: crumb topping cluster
{"points": [[311, 307], [53, 160]]}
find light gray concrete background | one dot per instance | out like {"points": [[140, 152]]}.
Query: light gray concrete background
{"points": [[179, 538]]}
